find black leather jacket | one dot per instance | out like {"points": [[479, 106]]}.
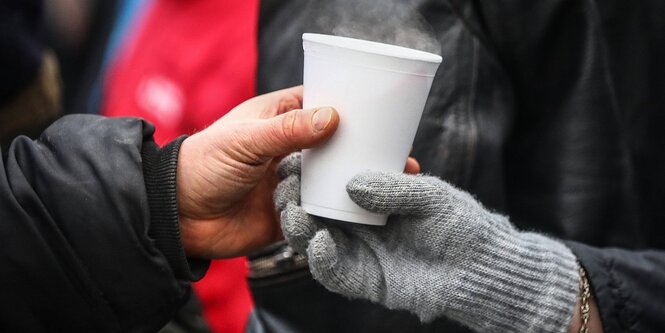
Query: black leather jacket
{"points": [[551, 112]]}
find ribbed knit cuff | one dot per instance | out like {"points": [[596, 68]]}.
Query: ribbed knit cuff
{"points": [[523, 282], [159, 172]]}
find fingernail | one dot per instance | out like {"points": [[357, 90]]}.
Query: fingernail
{"points": [[321, 118]]}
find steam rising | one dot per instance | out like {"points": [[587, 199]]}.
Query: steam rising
{"points": [[392, 22]]}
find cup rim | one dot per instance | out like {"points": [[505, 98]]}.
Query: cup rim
{"points": [[371, 47]]}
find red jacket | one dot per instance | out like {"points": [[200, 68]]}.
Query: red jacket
{"points": [[188, 64]]}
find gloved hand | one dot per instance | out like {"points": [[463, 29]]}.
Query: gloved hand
{"points": [[441, 254]]}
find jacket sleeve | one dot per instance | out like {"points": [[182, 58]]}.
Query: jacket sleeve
{"points": [[88, 229], [629, 286]]}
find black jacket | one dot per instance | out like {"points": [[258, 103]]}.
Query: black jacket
{"points": [[88, 230], [550, 112]]}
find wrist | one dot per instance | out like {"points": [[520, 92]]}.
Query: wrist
{"points": [[193, 240], [518, 282], [160, 167], [577, 324]]}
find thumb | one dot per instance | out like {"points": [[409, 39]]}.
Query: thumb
{"points": [[293, 131], [396, 193]]}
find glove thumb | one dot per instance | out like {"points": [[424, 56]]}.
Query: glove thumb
{"points": [[396, 193]]}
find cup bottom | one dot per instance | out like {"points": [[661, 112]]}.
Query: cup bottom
{"points": [[345, 216]]}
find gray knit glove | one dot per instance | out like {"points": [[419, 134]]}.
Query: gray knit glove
{"points": [[441, 254]]}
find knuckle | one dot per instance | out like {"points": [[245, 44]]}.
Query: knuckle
{"points": [[289, 124]]}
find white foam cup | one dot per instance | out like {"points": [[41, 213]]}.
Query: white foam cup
{"points": [[379, 91]]}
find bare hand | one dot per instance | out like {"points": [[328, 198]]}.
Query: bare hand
{"points": [[226, 173]]}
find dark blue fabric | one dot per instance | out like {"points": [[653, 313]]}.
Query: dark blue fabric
{"points": [[128, 12], [630, 285], [20, 48]]}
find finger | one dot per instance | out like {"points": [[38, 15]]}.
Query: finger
{"points": [[291, 131], [267, 105], [343, 267], [290, 165], [396, 193], [284, 100], [298, 227], [412, 166], [287, 191]]}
